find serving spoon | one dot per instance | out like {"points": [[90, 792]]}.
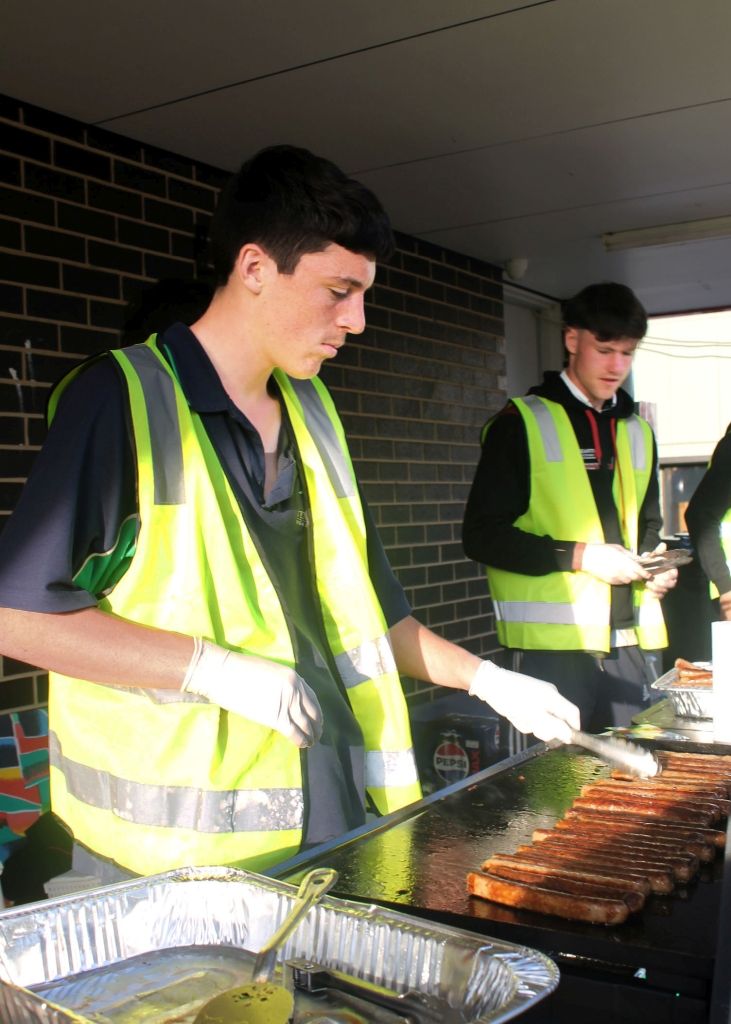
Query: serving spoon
{"points": [[263, 1001]]}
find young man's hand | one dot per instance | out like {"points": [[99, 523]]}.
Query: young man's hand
{"points": [[612, 564], [531, 705], [263, 691], [660, 582]]}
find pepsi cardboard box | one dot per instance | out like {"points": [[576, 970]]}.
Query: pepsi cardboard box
{"points": [[453, 738]]}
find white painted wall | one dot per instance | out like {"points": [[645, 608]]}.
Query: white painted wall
{"points": [[683, 370]]}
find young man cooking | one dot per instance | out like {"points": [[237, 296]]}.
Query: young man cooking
{"points": [[193, 562], [564, 499]]}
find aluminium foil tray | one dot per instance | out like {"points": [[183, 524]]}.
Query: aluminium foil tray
{"points": [[88, 957], [686, 701]]}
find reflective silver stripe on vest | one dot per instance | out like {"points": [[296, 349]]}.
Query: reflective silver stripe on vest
{"points": [[166, 444], [544, 611], [323, 433], [547, 428], [638, 448], [372, 659], [181, 807], [390, 768]]}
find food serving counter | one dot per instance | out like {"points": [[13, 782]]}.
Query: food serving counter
{"points": [[669, 962]]}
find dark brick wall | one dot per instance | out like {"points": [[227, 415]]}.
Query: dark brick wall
{"points": [[88, 219]]}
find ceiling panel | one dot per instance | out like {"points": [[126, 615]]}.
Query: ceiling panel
{"points": [[103, 60], [486, 83], [495, 127], [676, 155]]}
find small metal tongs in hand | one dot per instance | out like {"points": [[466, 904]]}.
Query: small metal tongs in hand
{"points": [[658, 562]]}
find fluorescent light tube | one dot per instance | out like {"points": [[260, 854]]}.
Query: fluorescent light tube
{"points": [[668, 234]]}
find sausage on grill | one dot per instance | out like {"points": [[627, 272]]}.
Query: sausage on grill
{"points": [[546, 901], [563, 883], [603, 819], [683, 865], [659, 876], [682, 813], [539, 866], [717, 807]]}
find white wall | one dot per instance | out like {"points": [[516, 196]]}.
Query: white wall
{"points": [[683, 370]]}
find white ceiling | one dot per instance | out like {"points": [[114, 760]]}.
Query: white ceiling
{"points": [[499, 128]]}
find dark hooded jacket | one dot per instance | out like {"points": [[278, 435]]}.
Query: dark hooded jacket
{"points": [[501, 489]]}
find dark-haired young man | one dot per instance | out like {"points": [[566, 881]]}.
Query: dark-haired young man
{"points": [[192, 560], [564, 499]]}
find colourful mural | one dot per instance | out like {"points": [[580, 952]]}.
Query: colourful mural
{"points": [[24, 785]]}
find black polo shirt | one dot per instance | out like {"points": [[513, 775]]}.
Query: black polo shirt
{"points": [[80, 500]]}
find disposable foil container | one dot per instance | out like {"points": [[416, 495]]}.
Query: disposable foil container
{"points": [[91, 956], [686, 701]]}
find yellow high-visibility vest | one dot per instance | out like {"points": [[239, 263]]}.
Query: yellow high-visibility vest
{"points": [[565, 611], [156, 779]]}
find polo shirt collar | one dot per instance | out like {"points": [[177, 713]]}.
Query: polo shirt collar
{"points": [[195, 372]]}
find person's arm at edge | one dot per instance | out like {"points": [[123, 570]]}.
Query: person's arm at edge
{"points": [[706, 509]]}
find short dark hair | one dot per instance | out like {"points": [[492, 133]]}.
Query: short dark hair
{"points": [[292, 202], [608, 310], [165, 302]]}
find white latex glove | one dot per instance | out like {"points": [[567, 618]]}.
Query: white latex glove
{"points": [[660, 583], [532, 705], [263, 691], [612, 563]]}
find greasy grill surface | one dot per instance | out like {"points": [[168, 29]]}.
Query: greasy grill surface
{"points": [[419, 864], [622, 839]]}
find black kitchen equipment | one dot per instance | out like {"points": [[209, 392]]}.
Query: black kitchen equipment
{"points": [[669, 962]]}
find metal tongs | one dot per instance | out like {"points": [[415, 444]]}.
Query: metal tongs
{"points": [[630, 756], [661, 562]]}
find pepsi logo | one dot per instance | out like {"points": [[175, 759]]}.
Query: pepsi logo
{"points": [[450, 761]]}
